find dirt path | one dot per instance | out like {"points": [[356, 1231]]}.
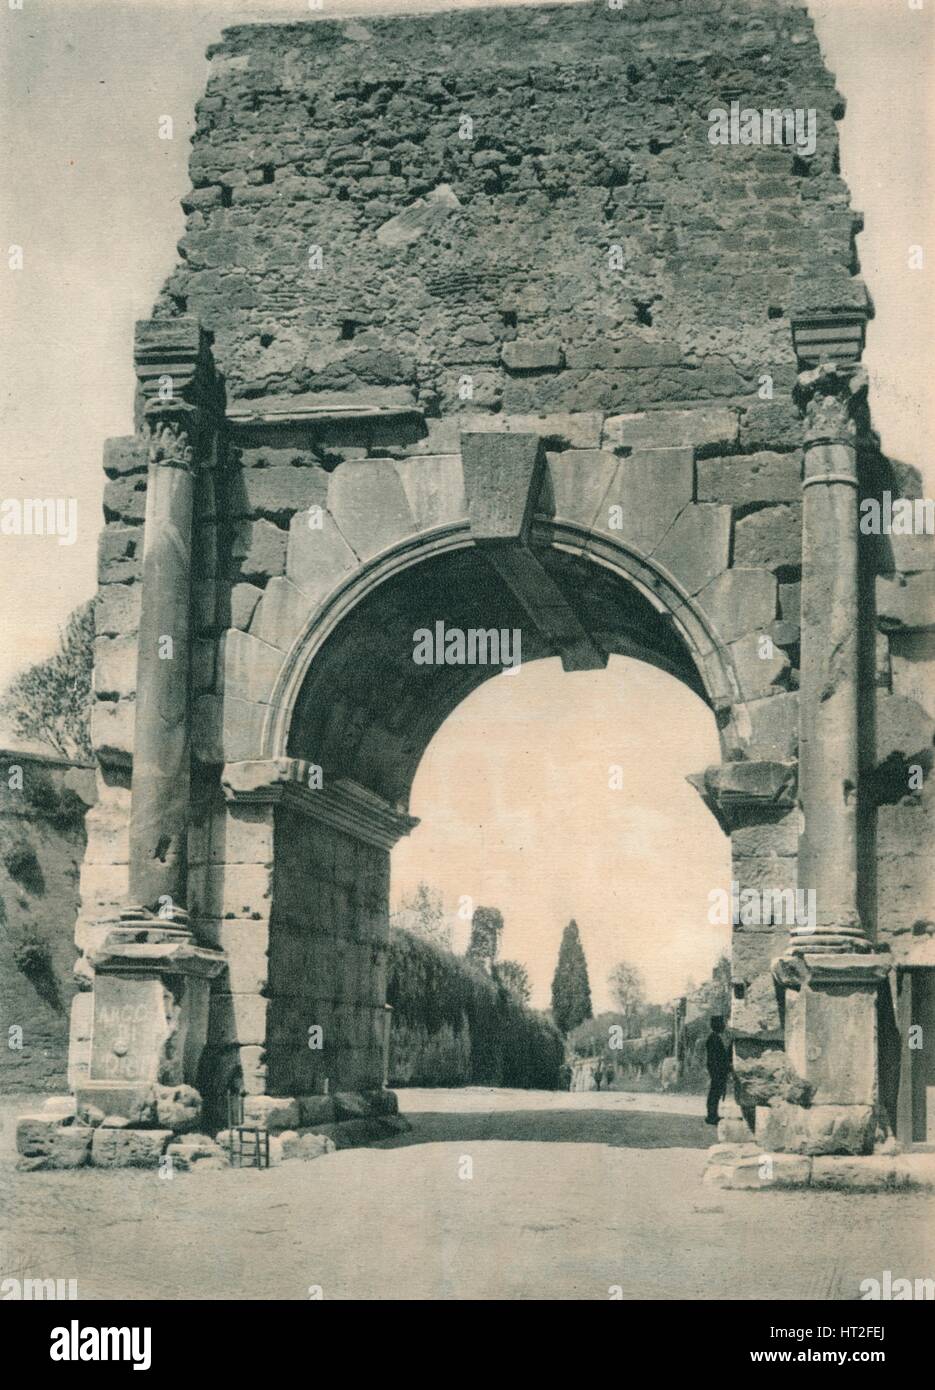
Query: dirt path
{"points": [[495, 1194]]}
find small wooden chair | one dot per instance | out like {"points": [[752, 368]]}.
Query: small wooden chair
{"points": [[249, 1144]]}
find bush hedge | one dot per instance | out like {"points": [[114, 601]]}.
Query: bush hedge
{"points": [[455, 1026]]}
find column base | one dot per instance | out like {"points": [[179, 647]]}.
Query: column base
{"points": [[148, 1025]]}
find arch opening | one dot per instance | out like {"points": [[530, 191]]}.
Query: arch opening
{"points": [[365, 714]]}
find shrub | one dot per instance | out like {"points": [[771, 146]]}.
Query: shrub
{"points": [[454, 1025]]}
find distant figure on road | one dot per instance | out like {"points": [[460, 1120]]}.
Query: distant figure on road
{"points": [[598, 1073], [669, 1073], [717, 1056]]}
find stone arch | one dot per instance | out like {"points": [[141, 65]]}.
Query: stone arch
{"points": [[338, 692]]}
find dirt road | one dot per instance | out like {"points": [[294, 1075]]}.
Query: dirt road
{"points": [[493, 1195]]}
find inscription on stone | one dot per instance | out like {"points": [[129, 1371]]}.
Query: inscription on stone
{"points": [[127, 1029]]}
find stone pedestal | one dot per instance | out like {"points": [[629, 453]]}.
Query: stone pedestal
{"points": [[831, 1026], [149, 1023]]}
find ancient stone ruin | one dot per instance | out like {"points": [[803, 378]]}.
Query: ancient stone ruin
{"points": [[473, 323]]}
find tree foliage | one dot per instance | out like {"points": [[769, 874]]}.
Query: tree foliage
{"points": [[571, 992], [486, 927], [51, 701], [422, 913], [628, 990], [514, 978]]}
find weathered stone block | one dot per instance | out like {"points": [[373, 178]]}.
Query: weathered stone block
{"points": [[740, 601], [616, 354], [225, 728], [275, 1113], [671, 429], [117, 610], [296, 1145], [576, 483], [911, 554], [697, 547], [103, 890], [198, 1151], [821, 1129], [906, 602], [53, 1141], [747, 478], [758, 672], [903, 729], [912, 664], [129, 1148], [125, 498], [502, 477], [237, 1018], [774, 726], [318, 556], [434, 488], [281, 615], [115, 667], [767, 1077], [525, 355], [244, 599], [423, 215], [119, 554], [278, 491], [128, 454], [647, 492], [241, 834], [247, 667], [239, 891], [574, 430], [246, 946], [790, 602], [770, 538], [107, 827], [369, 506], [178, 1108], [778, 838], [259, 547]]}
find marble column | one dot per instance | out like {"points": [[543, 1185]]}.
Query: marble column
{"points": [[828, 690], [161, 767]]}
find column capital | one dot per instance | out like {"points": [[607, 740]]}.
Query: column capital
{"points": [[177, 383], [831, 399], [168, 444]]}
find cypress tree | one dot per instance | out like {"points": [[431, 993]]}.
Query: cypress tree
{"points": [[571, 993]]}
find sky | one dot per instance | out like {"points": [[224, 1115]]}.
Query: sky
{"points": [[91, 193]]}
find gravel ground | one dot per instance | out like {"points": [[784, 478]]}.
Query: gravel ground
{"points": [[493, 1195]]}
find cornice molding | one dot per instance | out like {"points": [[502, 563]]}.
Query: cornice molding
{"points": [[344, 804]]}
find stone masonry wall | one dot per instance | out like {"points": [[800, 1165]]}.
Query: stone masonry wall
{"points": [[443, 256], [327, 959]]}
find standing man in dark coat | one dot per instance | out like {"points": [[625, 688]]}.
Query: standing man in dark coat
{"points": [[717, 1056]]}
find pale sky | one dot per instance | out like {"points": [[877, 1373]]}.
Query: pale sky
{"points": [[92, 195]]}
